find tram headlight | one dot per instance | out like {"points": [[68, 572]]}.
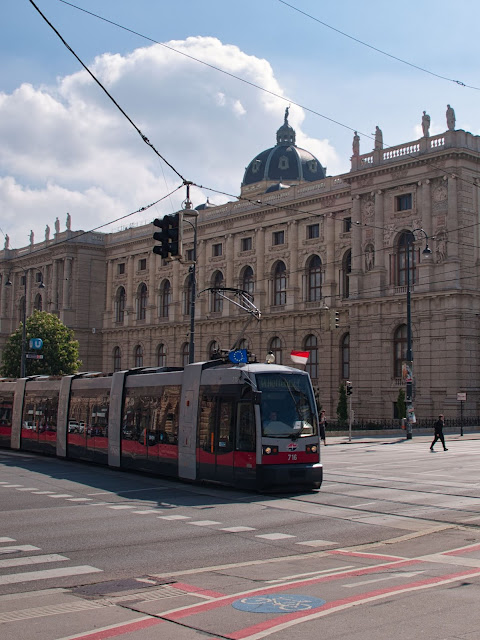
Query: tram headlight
{"points": [[268, 450], [311, 448]]}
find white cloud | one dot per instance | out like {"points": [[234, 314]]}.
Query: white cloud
{"points": [[67, 148]]}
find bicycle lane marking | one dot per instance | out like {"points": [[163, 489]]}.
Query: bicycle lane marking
{"points": [[285, 621]]}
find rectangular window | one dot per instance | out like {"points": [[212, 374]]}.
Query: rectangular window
{"points": [[142, 264], [347, 225], [121, 268], [278, 237], [38, 277], [246, 244], [403, 202], [313, 231], [217, 250], [189, 255]]}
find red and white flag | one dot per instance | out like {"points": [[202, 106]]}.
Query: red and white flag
{"points": [[300, 357]]}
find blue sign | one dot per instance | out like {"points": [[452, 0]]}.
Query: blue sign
{"points": [[238, 356], [36, 343], [278, 603]]}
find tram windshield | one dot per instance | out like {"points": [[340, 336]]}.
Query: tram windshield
{"points": [[287, 405]]}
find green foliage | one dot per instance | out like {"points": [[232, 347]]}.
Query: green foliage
{"points": [[401, 404], [60, 349], [342, 409]]}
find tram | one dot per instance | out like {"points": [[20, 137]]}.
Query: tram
{"points": [[250, 425]]}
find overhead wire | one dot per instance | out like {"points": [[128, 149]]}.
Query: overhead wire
{"points": [[381, 51]]}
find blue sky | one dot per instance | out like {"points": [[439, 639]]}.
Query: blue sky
{"points": [[64, 146]]}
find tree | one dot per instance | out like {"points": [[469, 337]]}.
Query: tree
{"points": [[60, 349], [342, 410], [401, 404]]}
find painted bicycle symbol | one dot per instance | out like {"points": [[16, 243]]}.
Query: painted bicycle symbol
{"points": [[276, 603]]}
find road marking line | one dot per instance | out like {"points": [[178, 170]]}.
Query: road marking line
{"points": [[22, 547], [43, 493], [27, 489], [275, 536], [61, 495], [79, 499], [7, 539], [121, 506], [19, 562], [312, 573], [238, 529], [204, 523], [12, 486], [316, 543], [157, 511], [62, 572], [116, 629], [398, 574], [174, 517]]}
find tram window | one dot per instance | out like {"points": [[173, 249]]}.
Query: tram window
{"points": [[150, 415], [88, 414], [245, 427], [40, 414], [225, 430]]}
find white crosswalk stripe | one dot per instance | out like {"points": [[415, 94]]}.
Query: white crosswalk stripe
{"points": [[29, 576]]}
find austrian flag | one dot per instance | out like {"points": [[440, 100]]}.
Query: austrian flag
{"points": [[300, 357]]}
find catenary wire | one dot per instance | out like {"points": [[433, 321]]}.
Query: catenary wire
{"points": [[385, 53]]}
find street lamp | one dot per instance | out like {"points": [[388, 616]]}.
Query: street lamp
{"points": [[24, 318], [409, 240]]}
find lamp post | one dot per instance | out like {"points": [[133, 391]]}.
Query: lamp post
{"points": [[409, 240], [24, 319]]}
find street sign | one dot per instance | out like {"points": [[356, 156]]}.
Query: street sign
{"points": [[461, 397], [36, 343], [34, 356]]}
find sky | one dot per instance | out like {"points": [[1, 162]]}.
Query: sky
{"points": [[190, 79]]}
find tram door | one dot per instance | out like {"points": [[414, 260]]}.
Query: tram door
{"points": [[216, 437]]}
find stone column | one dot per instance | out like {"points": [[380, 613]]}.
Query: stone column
{"points": [[28, 292], [152, 307], [230, 255], [452, 218], [330, 283], [425, 267], [67, 277], [176, 309], [379, 229], [295, 298], [357, 257], [109, 295], [130, 302], [201, 302], [260, 270], [54, 294]]}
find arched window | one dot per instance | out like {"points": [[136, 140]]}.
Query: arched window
{"points": [[142, 301], [187, 296], [38, 302], [213, 349], [120, 305], [138, 355], [161, 356], [399, 350], [280, 284], [185, 354], [345, 356], [346, 270], [405, 244], [314, 279], [117, 359], [310, 344], [276, 348], [248, 283], [165, 299], [217, 301]]}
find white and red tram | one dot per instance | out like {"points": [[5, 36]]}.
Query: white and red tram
{"points": [[249, 425]]}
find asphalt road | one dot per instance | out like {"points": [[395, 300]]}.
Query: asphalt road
{"points": [[388, 549]]}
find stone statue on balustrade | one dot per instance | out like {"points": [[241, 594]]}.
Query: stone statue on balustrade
{"points": [[378, 139], [356, 144], [57, 225], [69, 222], [47, 233], [32, 237], [426, 124], [450, 118]]}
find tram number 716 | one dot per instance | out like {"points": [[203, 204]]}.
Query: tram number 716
{"points": [[292, 456]]}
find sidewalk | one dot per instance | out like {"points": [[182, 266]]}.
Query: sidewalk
{"points": [[396, 436]]}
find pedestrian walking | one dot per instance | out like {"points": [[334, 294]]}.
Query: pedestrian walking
{"points": [[438, 426], [323, 426]]}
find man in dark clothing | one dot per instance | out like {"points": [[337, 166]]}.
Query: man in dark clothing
{"points": [[439, 424]]}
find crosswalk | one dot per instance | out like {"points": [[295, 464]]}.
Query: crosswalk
{"points": [[25, 559]]}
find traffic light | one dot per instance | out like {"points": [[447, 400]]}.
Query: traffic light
{"points": [[349, 388], [334, 319], [337, 319], [170, 236]]}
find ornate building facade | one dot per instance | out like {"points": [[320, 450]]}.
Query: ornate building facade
{"points": [[327, 259]]}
